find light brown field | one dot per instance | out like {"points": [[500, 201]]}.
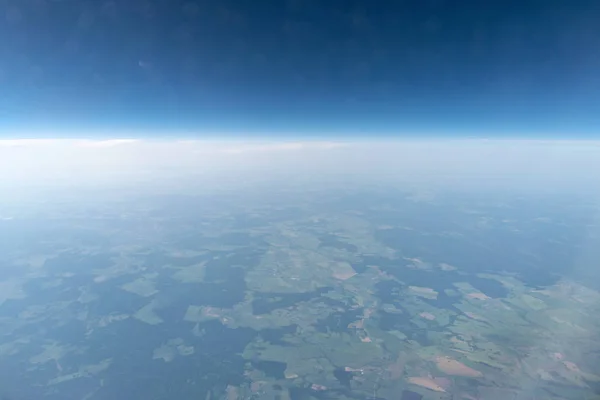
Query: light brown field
{"points": [[257, 385], [343, 271], [456, 368], [447, 267], [424, 292], [446, 383], [427, 316], [478, 296], [428, 383], [344, 275], [233, 392], [571, 366]]}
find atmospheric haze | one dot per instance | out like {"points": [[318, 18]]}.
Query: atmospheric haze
{"points": [[189, 269], [490, 164]]}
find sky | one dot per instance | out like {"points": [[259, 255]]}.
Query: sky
{"points": [[299, 69]]}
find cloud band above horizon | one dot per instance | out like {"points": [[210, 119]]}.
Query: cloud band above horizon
{"points": [[486, 163]]}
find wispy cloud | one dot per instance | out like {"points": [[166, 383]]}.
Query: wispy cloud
{"points": [[27, 142], [479, 163], [277, 147], [105, 143], [224, 147]]}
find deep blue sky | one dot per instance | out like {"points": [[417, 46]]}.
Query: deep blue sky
{"points": [[315, 67]]}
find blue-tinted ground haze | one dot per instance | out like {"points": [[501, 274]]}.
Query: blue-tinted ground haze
{"points": [[401, 270]]}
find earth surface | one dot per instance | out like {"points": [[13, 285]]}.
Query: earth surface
{"points": [[288, 292]]}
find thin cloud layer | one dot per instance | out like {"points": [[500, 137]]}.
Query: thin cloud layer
{"points": [[475, 163]]}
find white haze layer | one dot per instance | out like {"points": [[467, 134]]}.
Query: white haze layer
{"points": [[473, 164]]}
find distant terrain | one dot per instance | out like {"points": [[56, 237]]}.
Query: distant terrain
{"points": [[300, 294]]}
